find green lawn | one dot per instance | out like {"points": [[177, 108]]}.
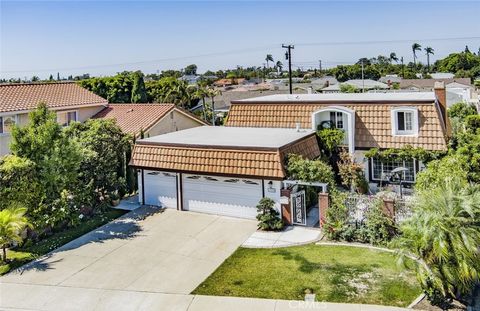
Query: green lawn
{"points": [[22, 255], [333, 273]]}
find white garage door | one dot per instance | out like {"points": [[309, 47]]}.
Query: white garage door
{"points": [[235, 197], [160, 189]]}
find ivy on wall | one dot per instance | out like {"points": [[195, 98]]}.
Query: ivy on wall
{"points": [[404, 153]]}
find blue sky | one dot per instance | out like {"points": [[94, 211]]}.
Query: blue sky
{"points": [[104, 37]]}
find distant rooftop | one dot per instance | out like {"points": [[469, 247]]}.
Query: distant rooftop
{"points": [[220, 136], [350, 97]]}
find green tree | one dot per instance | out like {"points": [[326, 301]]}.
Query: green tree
{"points": [[12, 224], [279, 66], [428, 51], [56, 160], [440, 171], [269, 58], [139, 93], [348, 88], [443, 235], [103, 165], [393, 57], [415, 47], [170, 90], [191, 69]]}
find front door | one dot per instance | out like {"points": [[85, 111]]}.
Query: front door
{"points": [[299, 208]]}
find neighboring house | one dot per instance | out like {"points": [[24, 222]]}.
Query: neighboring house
{"points": [[428, 84], [442, 75], [191, 79], [68, 100], [463, 92], [153, 119], [218, 170], [370, 120], [390, 79], [366, 84], [323, 82]]}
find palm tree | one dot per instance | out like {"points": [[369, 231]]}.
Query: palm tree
{"points": [[428, 51], [415, 47], [269, 58], [12, 223], [393, 57], [201, 93], [212, 92], [443, 235], [279, 66]]}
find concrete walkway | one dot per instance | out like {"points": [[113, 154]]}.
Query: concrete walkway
{"points": [[65, 298], [128, 204], [290, 236]]}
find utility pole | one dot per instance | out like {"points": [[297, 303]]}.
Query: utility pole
{"points": [[403, 68], [288, 56], [320, 65]]}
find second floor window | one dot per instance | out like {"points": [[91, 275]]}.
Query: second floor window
{"points": [[405, 121], [64, 118], [337, 119]]}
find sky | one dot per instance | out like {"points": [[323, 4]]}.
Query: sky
{"points": [[104, 37]]}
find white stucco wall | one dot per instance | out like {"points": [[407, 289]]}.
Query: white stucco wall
{"points": [[174, 121]]}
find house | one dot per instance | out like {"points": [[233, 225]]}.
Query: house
{"points": [[370, 120], [153, 119], [390, 79], [68, 100], [191, 79], [366, 84], [218, 170], [442, 75]]}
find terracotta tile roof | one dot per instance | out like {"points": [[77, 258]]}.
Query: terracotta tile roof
{"points": [[26, 96], [253, 162], [132, 118], [372, 122]]}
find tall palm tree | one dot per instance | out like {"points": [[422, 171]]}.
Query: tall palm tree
{"points": [[12, 223], [393, 57], [201, 93], [415, 47], [443, 235], [212, 92], [279, 66], [428, 51], [269, 58]]}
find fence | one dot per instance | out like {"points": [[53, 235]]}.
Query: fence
{"points": [[358, 206]]}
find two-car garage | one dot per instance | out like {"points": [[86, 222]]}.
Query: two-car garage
{"points": [[235, 197], [217, 170]]}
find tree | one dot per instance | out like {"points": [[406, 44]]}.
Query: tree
{"points": [[393, 57], [56, 160], [170, 90], [268, 217], [190, 69], [415, 47], [12, 224], [443, 235], [279, 66], [50, 78], [428, 51], [212, 93], [35, 78], [139, 93], [467, 50], [202, 92], [269, 58]]}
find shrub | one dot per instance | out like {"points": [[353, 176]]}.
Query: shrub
{"points": [[268, 217], [440, 171]]}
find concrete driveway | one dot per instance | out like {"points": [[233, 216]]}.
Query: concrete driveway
{"points": [[145, 252]]}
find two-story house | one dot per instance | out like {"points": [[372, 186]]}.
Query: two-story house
{"points": [[69, 101], [369, 120]]}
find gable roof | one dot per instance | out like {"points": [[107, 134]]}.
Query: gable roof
{"points": [[214, 156], [429, 83], [373, 126], [132, 118], [58, 95]]}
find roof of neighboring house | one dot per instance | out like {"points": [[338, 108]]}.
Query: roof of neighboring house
{"points": [[359, 84], [457, 85], [390, 78], [247, 152], [442, 75], [429, 83], [373, 126], [57, 95], [132, 118]]}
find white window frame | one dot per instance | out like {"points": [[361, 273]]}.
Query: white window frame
{"points": [[382, 174], [415, 121], [66, 112], [15, 117]]}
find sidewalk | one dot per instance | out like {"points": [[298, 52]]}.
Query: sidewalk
{"points": [[129, 204], [43, 297], [290, 236]]}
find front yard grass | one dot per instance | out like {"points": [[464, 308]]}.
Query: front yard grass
{"points": [[24, 254], [333, 273]]}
